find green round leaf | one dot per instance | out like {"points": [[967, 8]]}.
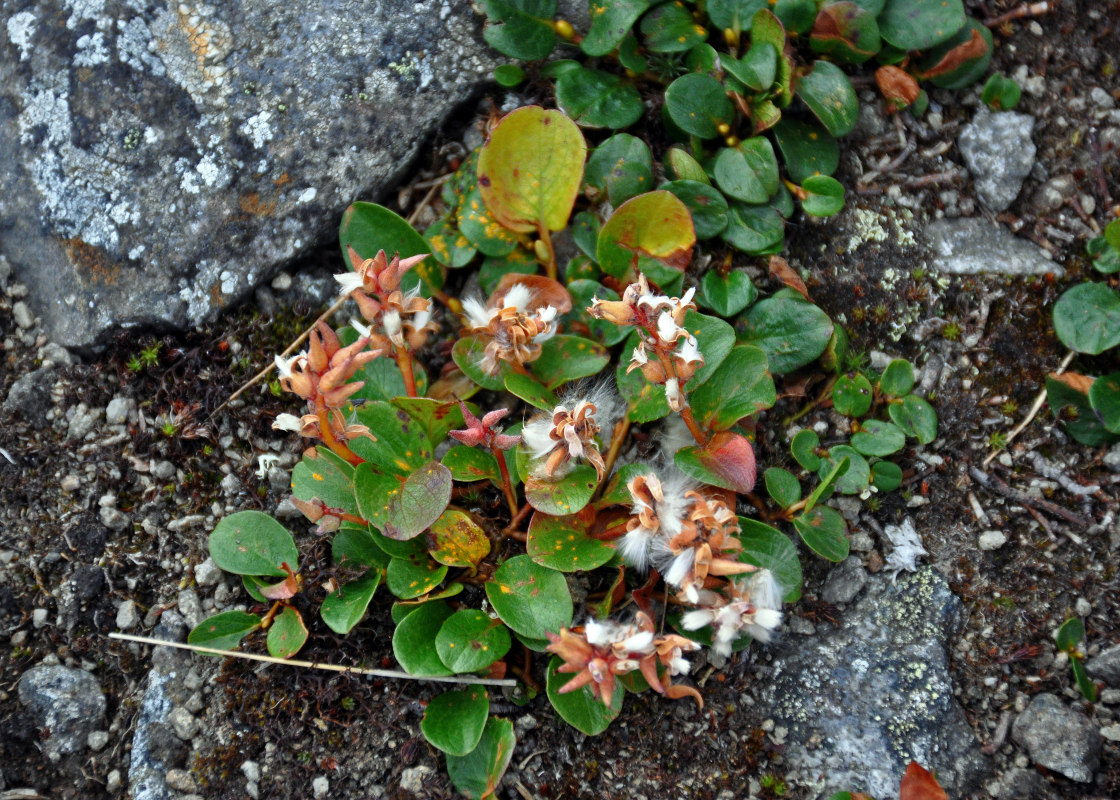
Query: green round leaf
{"points": [[450, 247], [562, 544], [471, 464], [531, 168], [421, 499], [468, 353], [716, 339], [621, 167], [824, 532], [567, 495], [398, 446], [478, 773], [597, 99], [434, 416], [354, 546], [1112, 234], [580, 708], [413, 576], [825, 196], [706, 205], [741, 386], [858, 475], [1000, 93], [253, 543], [757, 69], [470, 641], [413, 638], [286, 634], [566, 358], [878, 438], [756, 230], [916, 417], [768, 547], [807, 148], [321, 474], [531, 599], [728, 294], [520, 28], [804, 449], [910, 25], [368, 227], [670, 28], [748, 172], [783, 486], [852, 395], [1104, 396], [481, 230], [828, 93], [457, 540], [224, 631], [682, 167], [796, 15], [1087, 318], [509, 75], [1106, 258], [610, 21], [845, 32], [791, 331], [645, 401], [453, 721], [1070, 634], [698, 104], [886, 475], [1085, 427], [344, 608], [726, 461], [650, 231], [897, 379], [372, 488]]}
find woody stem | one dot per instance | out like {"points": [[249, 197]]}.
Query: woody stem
{"points": [[697, 434], [507, 485], [617, 438], [404, 361], [546, 239]]}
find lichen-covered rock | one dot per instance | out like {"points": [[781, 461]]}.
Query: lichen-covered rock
{"points": [[863, 700], [973, 246], [1058, 738], [999, 153], [1106, 666], [160, 159], [66, 704]]}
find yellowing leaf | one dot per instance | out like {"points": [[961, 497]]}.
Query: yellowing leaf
{"points": [[650, 230], [530, 171]]}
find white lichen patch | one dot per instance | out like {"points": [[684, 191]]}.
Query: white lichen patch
{"points": [[258, 129], [81, 10], [21, 30], [136, 47], [91, 50], [872, 226], [194, 44], [308, 194]]}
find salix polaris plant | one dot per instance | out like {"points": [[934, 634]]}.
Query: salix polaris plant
{"points": [[755, 92], [478, 518], [1087, 320]]}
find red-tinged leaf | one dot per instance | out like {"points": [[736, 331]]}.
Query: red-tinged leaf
{"points": [[1077, 382], [727, 461], [972, 49], [283, 590], [780, 269], [546, 292], [653, 232], [898, 87], [919, 784]]}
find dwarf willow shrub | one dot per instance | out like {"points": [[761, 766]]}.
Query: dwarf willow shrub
{"points": [[478, 498], [738, 84]]}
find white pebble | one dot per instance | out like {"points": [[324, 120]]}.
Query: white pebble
{"points": [[320, 786], [992, 540]]}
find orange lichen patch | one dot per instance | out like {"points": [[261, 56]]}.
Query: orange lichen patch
{"points": [[93, 262], [251, 203], [283, 179], [216, 297]]}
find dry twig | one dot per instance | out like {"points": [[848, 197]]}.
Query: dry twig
{"points": [[1036, 406]]}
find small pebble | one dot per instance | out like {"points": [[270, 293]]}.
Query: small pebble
{"points": [[251, 769], [113, 781], [1083, 607], [320, 786], [181, 781], [39, 617], [207, 573], [282, 282], [22, 315], [184, 723], [992, 540], [127, 616], [97, 740], [70, 484]]}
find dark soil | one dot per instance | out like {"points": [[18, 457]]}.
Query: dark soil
{"points": [[57, 554]]}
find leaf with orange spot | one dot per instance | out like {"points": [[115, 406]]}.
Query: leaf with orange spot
{"points": [[780, 269], [530, 171], [422, 499], [898, 87], [457, 540], [971, 49], [1076, 381]]}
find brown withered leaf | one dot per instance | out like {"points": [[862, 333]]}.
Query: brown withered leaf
{"points": [[1075, 381], [974, 48], [546, 292], [919, 784], [780, 269], [898, 87]]}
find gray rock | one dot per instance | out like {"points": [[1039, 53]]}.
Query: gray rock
{"points": [[1022, 784], [161, 158], [970, 246], [83, 419], [1105, 666], [67, 702], [119, 410], [1054, 193], [999, 153], [992, 540], [181, 781], [1058, 738], [30, 397], [207, 573], [413, 778], [53, 354], [844, 581], [22, 315], [863, 700]]}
